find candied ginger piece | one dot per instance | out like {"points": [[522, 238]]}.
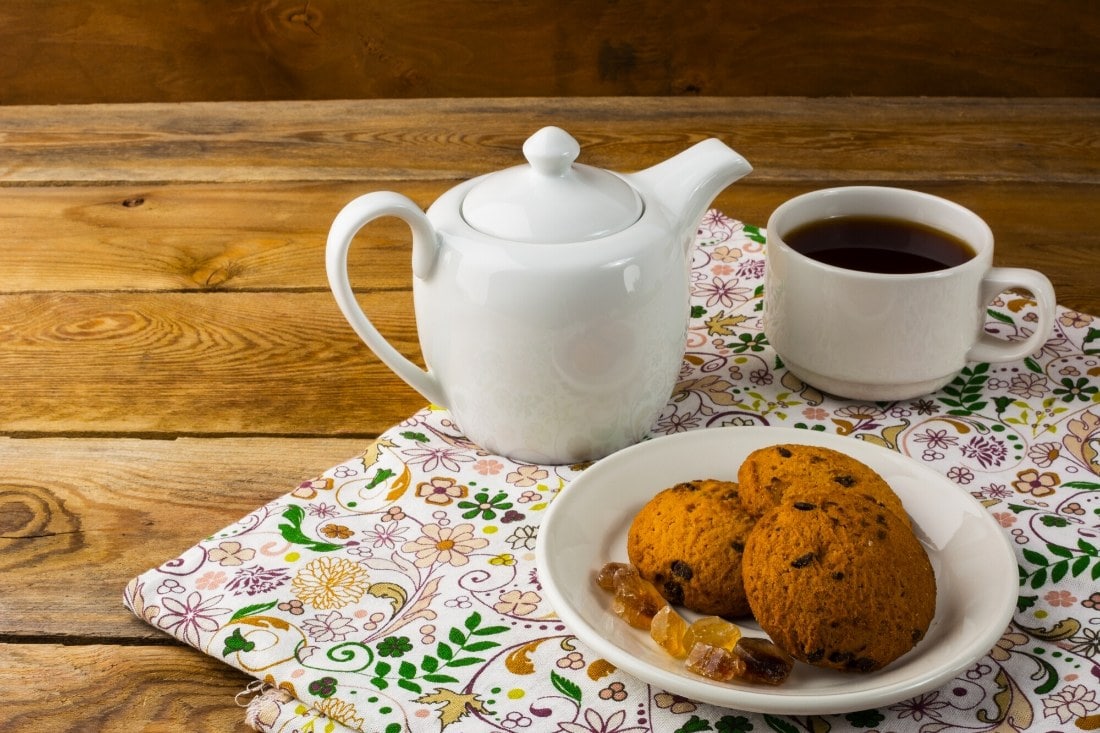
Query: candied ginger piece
{"points": [[764, 662], [712, 630], [668, 629], [605, 578], [636, 600], [714, 662]]}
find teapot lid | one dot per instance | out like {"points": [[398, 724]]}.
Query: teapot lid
{"points": [[552, 199]]}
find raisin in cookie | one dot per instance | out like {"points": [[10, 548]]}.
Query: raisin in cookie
{"points": [[767, 474], [838, 580], [687, 540]]}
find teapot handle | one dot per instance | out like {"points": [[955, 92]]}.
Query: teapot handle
{"points": [[353, 217]]}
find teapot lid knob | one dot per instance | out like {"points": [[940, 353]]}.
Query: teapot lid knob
{"points": [[552, 199], [551, 151]]}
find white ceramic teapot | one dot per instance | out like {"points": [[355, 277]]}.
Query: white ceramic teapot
{"points": [[551, 298]]}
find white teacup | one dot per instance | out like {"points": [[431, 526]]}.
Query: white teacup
{"points": [[875, 336]]}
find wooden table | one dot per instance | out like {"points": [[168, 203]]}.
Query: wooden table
{"points": [[171, 358]]}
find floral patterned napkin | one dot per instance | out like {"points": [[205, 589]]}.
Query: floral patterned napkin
{"points": [[398, 590]]}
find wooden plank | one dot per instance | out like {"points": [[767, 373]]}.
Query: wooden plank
{"points": [[104, 688], [65, 51], [192, 237], [247, 237], [79, 518], [787, 139], [199, 363]]}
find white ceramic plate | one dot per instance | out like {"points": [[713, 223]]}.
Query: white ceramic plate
{"points": [[587, 523]]}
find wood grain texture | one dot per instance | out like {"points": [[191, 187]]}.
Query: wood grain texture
{"points": [[192, 237], [90, 689], [786, 139], [69, 51], [90, 514], [216, 363]]}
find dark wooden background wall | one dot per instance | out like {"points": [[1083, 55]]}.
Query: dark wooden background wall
{"points": [[76, 51]]}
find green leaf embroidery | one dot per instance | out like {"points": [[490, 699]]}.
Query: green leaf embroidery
{"points": [[1059, 550], [779, 725], [237, 643], [409, 685], [695, 724], [487, 630], [1051, 676], [1039, 578], [252, 610], [439, 678], [865, 718], [1092, 335], [431, 668], [753, 233], [1034, 557], [733, 724], [464, 661], [293, 532], [1087, 485], [565, 687], [381, 475], [998, 316], [418, 437], [965, 391]]}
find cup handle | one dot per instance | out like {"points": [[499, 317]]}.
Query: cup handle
{"points": [[353, 217], [998, 280]]}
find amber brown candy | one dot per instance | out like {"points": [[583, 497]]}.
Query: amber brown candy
{"points": [[764, 662], [711, 646], [605, 578], [668, 629], [751, 660], [714, 662], [635, 599], [712, 630], [711, 641]]}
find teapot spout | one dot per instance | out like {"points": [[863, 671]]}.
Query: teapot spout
{"points": [[687, 184]]}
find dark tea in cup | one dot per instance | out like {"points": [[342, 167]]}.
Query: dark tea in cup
{"points": [[879, 244], [879, 293]]}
